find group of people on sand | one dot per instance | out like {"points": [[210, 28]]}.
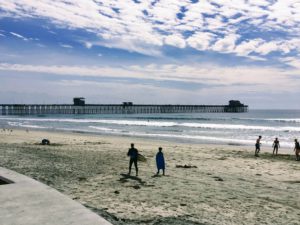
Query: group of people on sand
{"points": [[134, 157], [275, 146], [160, 160]]}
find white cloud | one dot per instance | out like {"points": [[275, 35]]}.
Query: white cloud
{"points": [[175, 40], [66, 46], [145, 27], [246, 47], [19, 36], [266, 48], [200, 73], [215, 83], [292, 61], [227, 44], [201, 40], [88, 44], [41, 45], [130, 44]]}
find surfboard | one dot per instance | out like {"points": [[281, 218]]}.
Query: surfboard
{"points": [[141, 158]]}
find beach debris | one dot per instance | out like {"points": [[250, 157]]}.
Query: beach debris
{"points": [[292, 181], [186, 166], [116, 192], [258, 174], [82, 178], [49, 182], [136, 186], [218, 178], [183, 204], [222, 158], [45, 142], [96, 143]]}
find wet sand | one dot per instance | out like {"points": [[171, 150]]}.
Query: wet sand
{"points": [[225, 184]]}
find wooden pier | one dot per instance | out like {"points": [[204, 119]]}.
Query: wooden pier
{"points": [[125, 108]]}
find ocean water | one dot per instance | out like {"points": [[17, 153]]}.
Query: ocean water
{"points": [[208, 128]]}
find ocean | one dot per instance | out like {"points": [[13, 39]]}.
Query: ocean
{"points": [[208, 128]]}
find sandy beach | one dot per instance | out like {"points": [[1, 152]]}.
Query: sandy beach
{"points": [[225, 184]]}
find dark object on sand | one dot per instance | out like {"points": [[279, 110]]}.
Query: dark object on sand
{"points": [[82, 178], [186, 166], [218, 179], [45, 142]]}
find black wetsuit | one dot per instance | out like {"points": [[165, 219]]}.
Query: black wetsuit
{"points": [[276, 146], [257, 147], [297, 150], [133, 154]]}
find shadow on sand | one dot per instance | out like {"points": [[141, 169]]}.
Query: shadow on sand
{"points": [[126, 177]]}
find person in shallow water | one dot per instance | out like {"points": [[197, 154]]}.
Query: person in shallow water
{"points": [[257, 146], [160, 161], [276, 145], [133, 154], [297, 150]]}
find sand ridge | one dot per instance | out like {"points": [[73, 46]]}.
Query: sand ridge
{"points": [[226, 185]]}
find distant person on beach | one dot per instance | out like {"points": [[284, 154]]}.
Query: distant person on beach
{"points": [[276, 145], [160, 161], [297, 150], [133, 154], [257, 146]]}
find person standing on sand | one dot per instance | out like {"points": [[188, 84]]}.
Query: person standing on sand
{"points": [[275, 146], [133, 154], [160, 161], [297, 150], [257, 146]]}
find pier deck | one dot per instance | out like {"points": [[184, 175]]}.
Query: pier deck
{"points": [[40, 109]]}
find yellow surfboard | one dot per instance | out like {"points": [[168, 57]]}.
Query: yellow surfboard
{"points": [[141, 158]]}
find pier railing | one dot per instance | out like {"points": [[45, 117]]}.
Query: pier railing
{"points": [[30, 109]]}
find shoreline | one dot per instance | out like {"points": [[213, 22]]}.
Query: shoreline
{"points": [[286, 150], [226, 185]]}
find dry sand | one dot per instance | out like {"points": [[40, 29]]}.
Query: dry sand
{"points": [[228, 185]]}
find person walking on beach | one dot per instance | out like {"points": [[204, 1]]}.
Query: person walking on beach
{"points": [[133, 154], [257, 146], [297, 150], [160, 161], [276, 145]]}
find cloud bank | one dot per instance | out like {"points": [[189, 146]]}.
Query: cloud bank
{"points": [[245, 28]]}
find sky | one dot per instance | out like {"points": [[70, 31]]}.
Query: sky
{"points": [[151, 52]]}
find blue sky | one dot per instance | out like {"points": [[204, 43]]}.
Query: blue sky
{"points": [[174, 52]]}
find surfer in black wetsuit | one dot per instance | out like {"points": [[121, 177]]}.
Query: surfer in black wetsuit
{"points": [[297, 150], [257, 146], [133, 154], [276, 145]]}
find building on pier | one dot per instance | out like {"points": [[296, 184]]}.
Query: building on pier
{"points": [[79, 101], [80, 107]]}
